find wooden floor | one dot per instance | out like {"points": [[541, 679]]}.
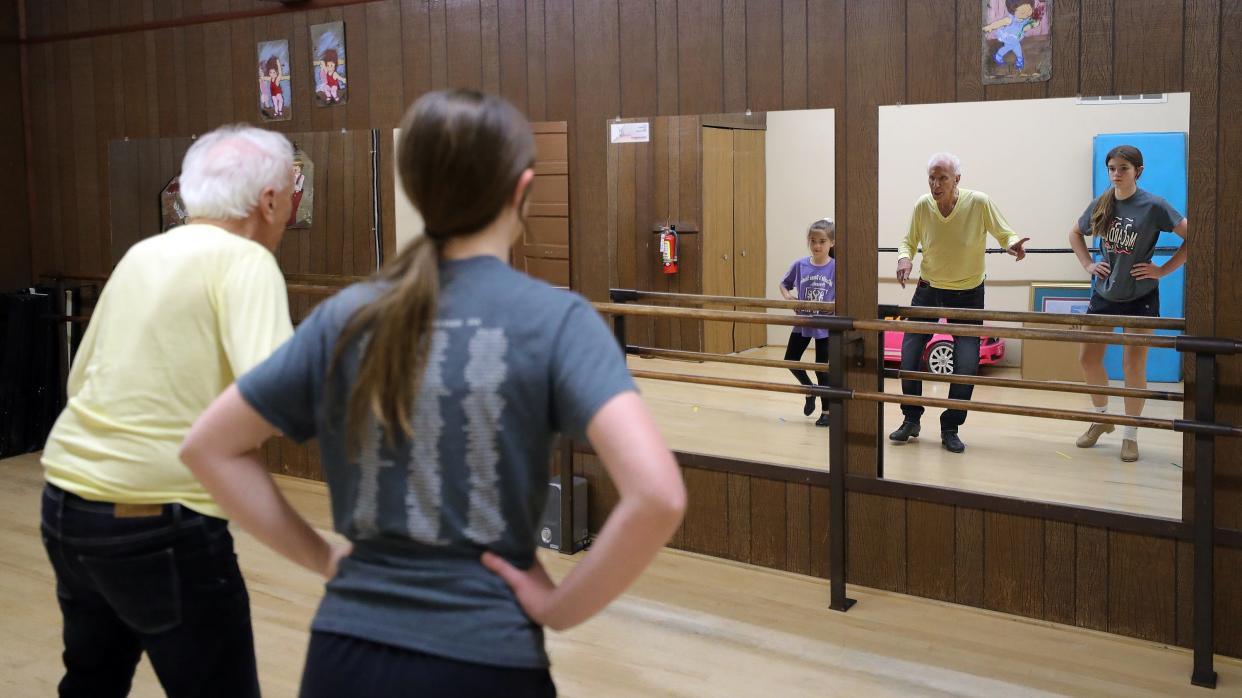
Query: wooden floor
{"points": [[1015, 456], [692, 626]]}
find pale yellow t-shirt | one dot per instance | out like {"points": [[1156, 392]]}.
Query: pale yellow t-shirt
{"points": [[954, 246], [182, 316]]}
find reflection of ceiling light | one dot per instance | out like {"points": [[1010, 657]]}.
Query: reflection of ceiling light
{"points": [[1157, 98]]}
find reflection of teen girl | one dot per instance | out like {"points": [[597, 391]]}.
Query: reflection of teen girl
{"points": [[1128, 222], [812, 279]]}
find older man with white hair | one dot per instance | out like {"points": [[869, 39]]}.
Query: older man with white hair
{"points": [[951, 226], [142, 555]]}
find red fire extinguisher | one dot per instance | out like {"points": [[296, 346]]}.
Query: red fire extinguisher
{"points": [[668, 249]]}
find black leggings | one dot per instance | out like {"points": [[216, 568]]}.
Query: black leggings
{"points": [[339, 665], [798, 345]]}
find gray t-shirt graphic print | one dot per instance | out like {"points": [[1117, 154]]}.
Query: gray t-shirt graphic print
{"points": [[511, 361], [1129, 238]]}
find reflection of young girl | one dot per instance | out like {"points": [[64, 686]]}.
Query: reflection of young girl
{"points": [[330, 81], [812, 279], [1128, 221], [299, 180], [273, 79], [1022, 16]]}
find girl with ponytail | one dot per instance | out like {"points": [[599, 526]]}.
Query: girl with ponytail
{"points": [[435, 390], [1127, 222]]}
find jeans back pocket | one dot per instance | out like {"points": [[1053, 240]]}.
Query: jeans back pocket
{"points": [[143, 590]]}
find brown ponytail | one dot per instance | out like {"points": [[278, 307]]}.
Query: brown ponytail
{"points": [[460, 157]]}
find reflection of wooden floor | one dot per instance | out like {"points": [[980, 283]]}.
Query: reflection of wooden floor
{"points": [[1007, 455], [691, 626]]}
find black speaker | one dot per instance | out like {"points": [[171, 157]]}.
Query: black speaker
{"points": [[549, 533]]}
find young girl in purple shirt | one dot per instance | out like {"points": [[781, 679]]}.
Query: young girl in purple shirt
{"points": [[813, 278]]}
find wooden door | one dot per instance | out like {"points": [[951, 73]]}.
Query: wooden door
{"points": [[543, 250], [717, 235], [749, 226]]}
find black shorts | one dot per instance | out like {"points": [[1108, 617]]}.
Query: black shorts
{"points": [[1143, 306]]}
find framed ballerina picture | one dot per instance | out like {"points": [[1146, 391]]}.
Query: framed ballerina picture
{"points": [[275, 81], [1017, 41], [328, 60], [303, 190]]}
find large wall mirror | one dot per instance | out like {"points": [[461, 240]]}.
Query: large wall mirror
{"points": [[742, 191], [1042, 164]]}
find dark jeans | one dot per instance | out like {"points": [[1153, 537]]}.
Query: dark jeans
{"points": [[798, 345], [342, 666], [965, 351], [167, 584]]}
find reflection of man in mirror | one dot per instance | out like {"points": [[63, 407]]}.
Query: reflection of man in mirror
{"points": [[951, 226]]}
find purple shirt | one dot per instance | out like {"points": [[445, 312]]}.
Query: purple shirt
{"points": [[812, 283]]}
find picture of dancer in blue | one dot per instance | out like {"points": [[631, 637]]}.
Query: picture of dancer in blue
{"points": [[1022, 16]]}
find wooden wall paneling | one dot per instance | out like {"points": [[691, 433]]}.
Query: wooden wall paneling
{"points": [[825, 77], [103, 86], [218, 97], [1228, 607], [601, 493], [243, 73], [148, 72], [357, 111], [388, 190], [169, 90], [622, 241], [1060, 551], [1202, 65], [465, 61], [123, 216], [596, 55], [663, 153], [688, 190], [668, 52], [798, 527], [66, 159], [734, 45], [1143, 595], [536, 60], [644, 241], [1091, 571], [930, 65], [560, 88], [191, 49], [512, 54], [83, 180], [688, 334], [768, 521], [763, 46], [344, 184], [1013, 564], [874, 68], [718, 231], [385, 83], [970, 51], [1228, 260], [1066, 22], [700, 65], [636, 27], [313, 144], [1147, 55], [489, 49], [739, 517], [363, 225], [416, 47], [42, 231], [930, 540], [305, 112], [819, 532], [968, 557], [749, 229], [1185, 553], [1096, 61], [707, 512], [794, 58], [876, 541], [330, 187]]}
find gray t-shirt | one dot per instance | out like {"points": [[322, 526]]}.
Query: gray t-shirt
{"points": [[511, 362], [1129, 239]]}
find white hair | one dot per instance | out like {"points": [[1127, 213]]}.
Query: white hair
{"points": [[224, 172], [945, 159]]}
